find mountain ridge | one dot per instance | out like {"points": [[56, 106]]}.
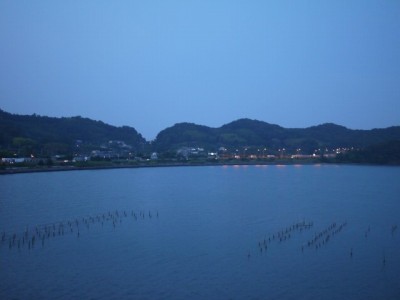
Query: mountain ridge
{"points": [[50, 135], [255, 133]]}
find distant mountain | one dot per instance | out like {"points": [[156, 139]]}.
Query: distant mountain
{"points": [[184, 135], [48, 136], [254, 133]]}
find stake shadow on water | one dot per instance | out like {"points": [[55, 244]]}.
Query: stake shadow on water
{"points": [[41, 234]]}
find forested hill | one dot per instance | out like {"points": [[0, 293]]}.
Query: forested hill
{"points": [[49, 136], [60, 134], [253, 133]]}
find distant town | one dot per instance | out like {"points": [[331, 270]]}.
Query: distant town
{"points": [[36, 142], [118, 153]]}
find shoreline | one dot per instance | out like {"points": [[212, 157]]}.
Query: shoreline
{"points": [[24, 170]]}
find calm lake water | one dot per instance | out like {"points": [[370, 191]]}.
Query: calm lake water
{"points": [[233, 232]]}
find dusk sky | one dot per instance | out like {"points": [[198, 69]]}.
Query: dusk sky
{"points": [[151, 64]]}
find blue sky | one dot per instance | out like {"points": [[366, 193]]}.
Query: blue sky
{"points": [[151, 64]]}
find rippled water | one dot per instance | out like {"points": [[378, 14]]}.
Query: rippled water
{"points": [[202, 233]]}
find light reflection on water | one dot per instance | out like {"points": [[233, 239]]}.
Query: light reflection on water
{"points": [[206, 241]]}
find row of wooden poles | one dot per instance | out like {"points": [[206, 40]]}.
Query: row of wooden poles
{"points": [[317, 241], [282, 235], [40, 233]]}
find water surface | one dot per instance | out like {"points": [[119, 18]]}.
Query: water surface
{"points": [[199, 232]]}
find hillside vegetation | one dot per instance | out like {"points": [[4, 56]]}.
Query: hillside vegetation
{"points": [[50, 136], [25, 135], [253, 133]]}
